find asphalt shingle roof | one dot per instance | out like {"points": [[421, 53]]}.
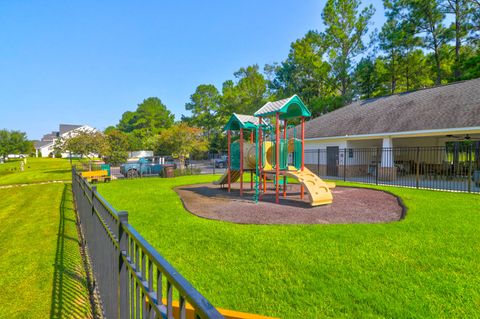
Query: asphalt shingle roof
{"points": [[64, 128], [39, 144], [449, 106]]}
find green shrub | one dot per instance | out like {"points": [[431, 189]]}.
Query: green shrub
{"points": [[187, 171]]}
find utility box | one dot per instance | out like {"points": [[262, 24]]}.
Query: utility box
{"points": [[105, 167]]}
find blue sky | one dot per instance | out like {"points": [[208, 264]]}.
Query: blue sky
{"points": [[87, 62]]}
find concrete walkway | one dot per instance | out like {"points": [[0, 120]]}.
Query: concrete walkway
{"points": [[32, 184]]}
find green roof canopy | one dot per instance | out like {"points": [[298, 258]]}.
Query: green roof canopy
{"points": [[288, 108], [238, 121]]}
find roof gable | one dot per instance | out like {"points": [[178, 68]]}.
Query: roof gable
{"points": [[238, 121], [64, 128], [42, 144], [288, 108]]}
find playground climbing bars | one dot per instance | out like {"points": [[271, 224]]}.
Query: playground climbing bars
{"points": [[271, 151]]}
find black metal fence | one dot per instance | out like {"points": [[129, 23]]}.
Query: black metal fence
{"points": [[194, 167], [131, 277], [455, 168]]}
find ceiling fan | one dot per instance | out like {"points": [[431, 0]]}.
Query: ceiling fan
{"points": [[466, 137]]}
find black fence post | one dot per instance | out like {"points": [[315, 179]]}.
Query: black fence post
{"points": [[376, 166], [123, 296], [318, 162], [344, 164], [94, 190], [417, 168], [470, 169]]}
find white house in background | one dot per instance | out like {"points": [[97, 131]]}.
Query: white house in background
{"points": [[427, 117], [45, 147], [138, 154]]}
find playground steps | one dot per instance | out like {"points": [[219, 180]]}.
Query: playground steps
{"points": [[318, 190], [234, 176]]}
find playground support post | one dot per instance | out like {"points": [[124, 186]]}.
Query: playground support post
{"points": [[260, 148], [277, 157], [229, 138], [241, 161], [251, 172], [251, 180], [286, 144], [303, 154]]}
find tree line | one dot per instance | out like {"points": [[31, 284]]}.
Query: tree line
{"points": [[14, 142], [151, 126], [421, 44]]}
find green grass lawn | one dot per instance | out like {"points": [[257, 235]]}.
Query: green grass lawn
{"points": [[36, 170], [427, 265], [41, 270]]}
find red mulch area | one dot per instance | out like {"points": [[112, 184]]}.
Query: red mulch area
{"points": [[350, 205]]}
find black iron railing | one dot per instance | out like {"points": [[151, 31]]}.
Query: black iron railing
{"points": [[454, 168], [132, 279], [204, 167]]}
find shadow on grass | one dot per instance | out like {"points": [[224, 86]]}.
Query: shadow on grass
{"points": [[57, 171], [222, 193], [69, 293]]}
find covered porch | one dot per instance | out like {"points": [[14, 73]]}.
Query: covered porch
{"points": [[441, 161]]}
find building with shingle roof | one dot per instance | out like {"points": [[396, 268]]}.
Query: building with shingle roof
{"points": [[431, 117], [45, 147], [454, 107]]}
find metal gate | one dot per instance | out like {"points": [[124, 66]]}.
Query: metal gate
{"points": [[332, 160]]}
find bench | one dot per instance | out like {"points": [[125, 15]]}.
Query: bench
{"points": [[96, 176]]}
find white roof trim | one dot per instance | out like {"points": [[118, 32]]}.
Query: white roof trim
{"points": [[465, 130], [84, 127], [45, 146]]}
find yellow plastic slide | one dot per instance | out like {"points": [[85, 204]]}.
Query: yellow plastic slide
{"points": [[318, 190], [234, 176]]}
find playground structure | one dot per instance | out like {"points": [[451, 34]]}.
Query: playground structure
{"points": [[268, 151]]}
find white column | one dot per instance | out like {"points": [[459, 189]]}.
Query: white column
{"points": [[387, 152]]}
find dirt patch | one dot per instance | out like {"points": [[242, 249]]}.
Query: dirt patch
{"points": [[350, 205]]}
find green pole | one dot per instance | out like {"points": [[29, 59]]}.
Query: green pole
{"points": [[257, 171]]}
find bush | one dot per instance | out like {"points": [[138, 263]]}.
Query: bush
{"points": [[116, 158], [187, 171]]}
